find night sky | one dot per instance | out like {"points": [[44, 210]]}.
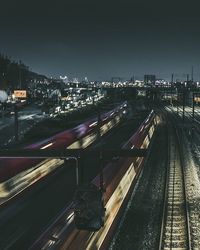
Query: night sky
{"points": [[102, 39]]}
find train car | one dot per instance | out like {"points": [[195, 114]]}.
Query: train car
{"points": [[17, 174], [119, 179]]}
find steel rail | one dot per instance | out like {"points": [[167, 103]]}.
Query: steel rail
{"points": [[179, 137], [172, 180], [165, 192]]}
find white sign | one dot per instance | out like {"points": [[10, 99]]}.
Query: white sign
{"points": [[20, 93]]}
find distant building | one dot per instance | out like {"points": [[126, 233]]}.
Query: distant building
{"points": [[64, 78], [149, 79], [161, 82]]}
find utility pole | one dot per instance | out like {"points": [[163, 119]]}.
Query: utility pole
{"points": [[133, 79], [192, 75], [101, 180], [184, 105], [20, 76], [187, 78], [16, 122], [184, 96], [177, 105], [193, 96], [98, 125], [172, 79]]}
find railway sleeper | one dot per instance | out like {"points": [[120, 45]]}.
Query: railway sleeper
{"points": [[175, 202], [176, 224], [176, 245]]}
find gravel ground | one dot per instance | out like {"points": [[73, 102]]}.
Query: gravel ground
{"points": [[192, 173], [140, 226], [190, 141], [141, 223]]}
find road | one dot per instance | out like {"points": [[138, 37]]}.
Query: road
{"points": [[28, 117]]}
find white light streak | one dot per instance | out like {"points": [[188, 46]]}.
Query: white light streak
{"points": [[46, 146]]}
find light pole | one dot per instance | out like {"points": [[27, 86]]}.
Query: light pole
{"points": [[183, 105], [20, 77], [184, 97], [77, 170], [16, 122], [193, 96]]}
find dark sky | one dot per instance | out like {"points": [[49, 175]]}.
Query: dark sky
{"points": [[101, 39]]}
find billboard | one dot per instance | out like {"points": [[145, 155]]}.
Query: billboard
{"points": [[20, 93]]}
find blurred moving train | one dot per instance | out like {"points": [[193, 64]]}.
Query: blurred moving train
{"points": [[120, 177], [17, 174]]}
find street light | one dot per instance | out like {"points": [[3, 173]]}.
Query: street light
{"points": [[184, 105], [193, 96], [16, 122]]}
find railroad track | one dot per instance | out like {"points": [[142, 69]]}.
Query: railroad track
{"points": [[175, 229], [191, 178], [192, 183]]}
